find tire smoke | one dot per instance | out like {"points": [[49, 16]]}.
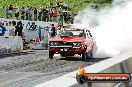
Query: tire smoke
{"points": [[111, 28]]}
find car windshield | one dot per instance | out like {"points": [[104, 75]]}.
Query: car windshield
{"points": [[78, 33]]}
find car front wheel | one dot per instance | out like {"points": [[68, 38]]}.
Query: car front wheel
{"points": [[90, 55], [51, 54], [84, 55]]}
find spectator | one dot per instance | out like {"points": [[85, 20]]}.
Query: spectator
{"points": [[51, 4], [48, 13], [44, 15], [58, 28], [35, 14], [33, 26], [71, 18], [53, 29], [10, 11], [61, 4], [7, 12], [30, 13], [17, 12], [2, 29], [60, 17], [65, 6], [22, 13], [27, 13], [57, 3], [19, 29], [11, 31], [54, 14], [40, 15], [65, 13]]}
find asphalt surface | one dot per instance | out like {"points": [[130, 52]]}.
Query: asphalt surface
{"points": [[33, 67]]}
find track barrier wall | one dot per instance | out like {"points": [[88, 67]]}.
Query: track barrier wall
{"points": [[10, 44], [118, 64], [42, 31]]}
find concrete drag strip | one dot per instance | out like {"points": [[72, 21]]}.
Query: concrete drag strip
{"points": [[34, 68]]}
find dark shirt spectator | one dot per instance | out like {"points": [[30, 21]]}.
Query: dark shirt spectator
{"points": [[45, 15], [7, 12], [11, 7], [53, 29], [35, 14], [65, 6], [51, 4], [40, 15], [30, 13], [57, 3], [65, 13], [17, 12], [48, 13], [33, 26], [35, 10], [19, 29], [27, 13]]}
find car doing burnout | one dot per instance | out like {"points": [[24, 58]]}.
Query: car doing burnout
{"points": [[71, 41]]}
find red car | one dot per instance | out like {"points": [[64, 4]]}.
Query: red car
{"points": [[71, 41]]}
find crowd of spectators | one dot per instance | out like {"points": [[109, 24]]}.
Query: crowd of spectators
{"points": [[51, 13]]}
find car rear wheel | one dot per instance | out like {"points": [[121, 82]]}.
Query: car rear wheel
{"points": [[89, 55], [51, 54]]}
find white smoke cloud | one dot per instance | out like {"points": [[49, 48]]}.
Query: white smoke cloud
{"points": [[113, 34]]}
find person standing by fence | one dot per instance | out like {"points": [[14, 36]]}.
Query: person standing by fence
{"points": [[48, 13], [54, 15], [40, 14], [44, 15], [17, 12], [7, 11], [10, 11], [35, 13], [27, 13], [22, 13], [61, 18]]}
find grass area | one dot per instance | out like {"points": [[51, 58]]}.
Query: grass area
{"points": [[75, 5]]}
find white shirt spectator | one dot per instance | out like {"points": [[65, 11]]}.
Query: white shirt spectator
{"points": [[17, 9]]}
